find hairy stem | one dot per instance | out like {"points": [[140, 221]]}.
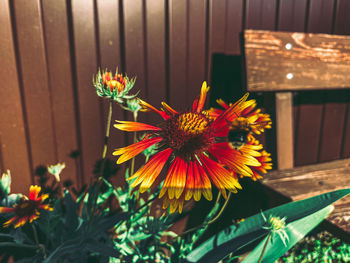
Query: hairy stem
{"points": [[108, 127]]}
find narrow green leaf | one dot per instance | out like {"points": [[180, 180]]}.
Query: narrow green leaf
{"points": [[295, 231], [237, 236]]}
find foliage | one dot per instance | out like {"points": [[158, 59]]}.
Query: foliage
{"points": [[322, 247], [101, 222]]}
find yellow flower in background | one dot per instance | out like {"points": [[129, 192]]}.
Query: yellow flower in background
{"points": [[28, 208]]}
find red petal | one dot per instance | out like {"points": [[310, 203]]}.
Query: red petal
{"points": [[34, 191]]}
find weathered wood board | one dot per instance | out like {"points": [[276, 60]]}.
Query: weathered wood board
{"points": [[307, 181], [281, 61]]}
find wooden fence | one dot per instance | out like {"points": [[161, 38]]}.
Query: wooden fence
{"points": [[50, 49]]}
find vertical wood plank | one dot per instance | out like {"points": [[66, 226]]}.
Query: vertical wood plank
{"points": [[335, 108], [61, 83], [217, 25], [260, 14], [284, 130], [156, 68], [292, 15], [134, 44], [341, 26], [310, 105], [197, 66], [36, 88], [178, 44], [110, 56], [12, 126], [88, 102], [333, 127], [234, 19]]}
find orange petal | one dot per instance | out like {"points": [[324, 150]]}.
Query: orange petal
{"points": [[10, 221], [175, 180], [220, 176], [34, 191], [134, 149], [135, 126], [202, 97], [169, 109], [6, 209], [148, 107], [202, 179], [150, 170], [21, 221]]}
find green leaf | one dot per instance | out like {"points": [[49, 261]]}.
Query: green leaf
{"points": [[246, 232], [295, 231], [71, 218]]}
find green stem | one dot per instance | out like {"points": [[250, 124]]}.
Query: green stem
{"points": [[108, 127], [134, 141], [222, 209], [265, 245], [35, 235], [41, 246], [196, 227], [10, 244]]}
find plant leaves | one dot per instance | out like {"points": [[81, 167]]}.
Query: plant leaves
{"points": [[237, 236], [296, 230]]}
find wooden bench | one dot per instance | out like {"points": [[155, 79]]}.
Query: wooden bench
{"points": [[283, 62]]}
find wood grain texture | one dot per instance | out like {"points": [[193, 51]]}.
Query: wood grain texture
{"points": [[284, 130], [307, 181], [61, 84], [332, 128], [341, 26], [36, 88], [197, 66], [234, 23], [156, 53], [89, 107], [111, 59], [178, 46], [260, 14], [315, 61], [14, 148], [310, 105], [291, 15]]}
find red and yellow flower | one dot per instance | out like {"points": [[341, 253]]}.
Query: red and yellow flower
{"points": [[28, 208], [194, 144]]}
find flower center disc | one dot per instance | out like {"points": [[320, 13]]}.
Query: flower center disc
{"points": [[188, 134], [192, 124]]}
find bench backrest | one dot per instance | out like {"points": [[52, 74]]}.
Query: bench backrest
{"points": [[283, 62]]}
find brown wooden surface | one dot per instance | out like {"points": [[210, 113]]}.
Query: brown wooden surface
{"points": [[89, 105], [315, 61], [12, 123], [60, 44], [310, 106], [36, 90], [284, 130], [61, 84], [307, 181], [110, 58], [178, 43]]}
